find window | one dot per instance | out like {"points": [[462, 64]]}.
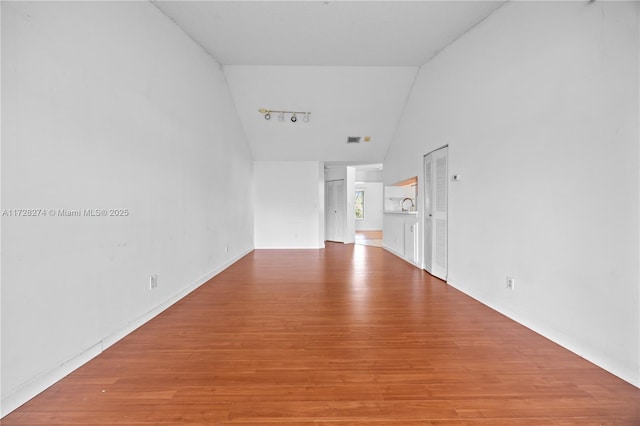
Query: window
{"points": [[359, 205]]}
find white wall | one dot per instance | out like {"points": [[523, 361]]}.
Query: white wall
{"points": [[288, 199], [372, 206], [335, 173], [539, 106], [368, 175], [108, 106]]}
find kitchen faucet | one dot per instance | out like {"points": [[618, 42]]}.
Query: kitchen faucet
{"points": [[412, 205]]}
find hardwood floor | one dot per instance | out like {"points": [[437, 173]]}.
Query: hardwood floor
{"points": [[369, 238], [349, 335]]}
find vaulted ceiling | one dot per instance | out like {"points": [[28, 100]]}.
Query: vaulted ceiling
{"points": [[350, 63]]}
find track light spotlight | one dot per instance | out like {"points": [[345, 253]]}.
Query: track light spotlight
{"points": [[282, 113]]}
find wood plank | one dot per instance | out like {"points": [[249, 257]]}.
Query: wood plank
{"points": [[348, 335]]}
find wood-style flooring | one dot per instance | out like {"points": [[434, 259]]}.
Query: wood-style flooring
{"points": [[348, 335], [369, 238]]}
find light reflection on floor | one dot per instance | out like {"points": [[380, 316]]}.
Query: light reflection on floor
{"points": [[359, 286], [369, 238]]}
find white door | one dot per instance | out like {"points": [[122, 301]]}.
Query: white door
{"points": [[334, 210], [435, 213]]}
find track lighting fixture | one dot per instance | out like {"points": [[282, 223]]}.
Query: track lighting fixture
{"points": [[281, 114]]}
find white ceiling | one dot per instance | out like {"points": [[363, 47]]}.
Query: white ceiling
{"points": [[351, 63], [349, 33]]}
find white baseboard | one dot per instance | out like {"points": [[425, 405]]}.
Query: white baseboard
{"points": [[392, 251], [401, 256], [627, 376], [605, 364], [48, 378], [133, 325], [290, 248]]}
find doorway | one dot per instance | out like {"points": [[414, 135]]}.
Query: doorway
{"points": [[369, 204], [436, 213]]}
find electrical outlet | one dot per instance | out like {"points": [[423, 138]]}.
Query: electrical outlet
{"points": [[226, 248], [153, 282], [511, 282]]}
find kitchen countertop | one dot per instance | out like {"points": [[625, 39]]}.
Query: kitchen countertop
{"points": [[399, 212]]}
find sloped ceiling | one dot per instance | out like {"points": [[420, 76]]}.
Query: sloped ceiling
{"points": [[351, 63], [343, 101]]}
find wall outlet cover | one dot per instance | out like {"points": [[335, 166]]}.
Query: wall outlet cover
{"points": [[153, 282], [511, 283]]}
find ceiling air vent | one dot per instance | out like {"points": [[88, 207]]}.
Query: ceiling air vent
{"points": [[353, 139]]}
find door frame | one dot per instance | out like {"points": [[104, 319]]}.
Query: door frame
{"points": [[341, 206]]}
